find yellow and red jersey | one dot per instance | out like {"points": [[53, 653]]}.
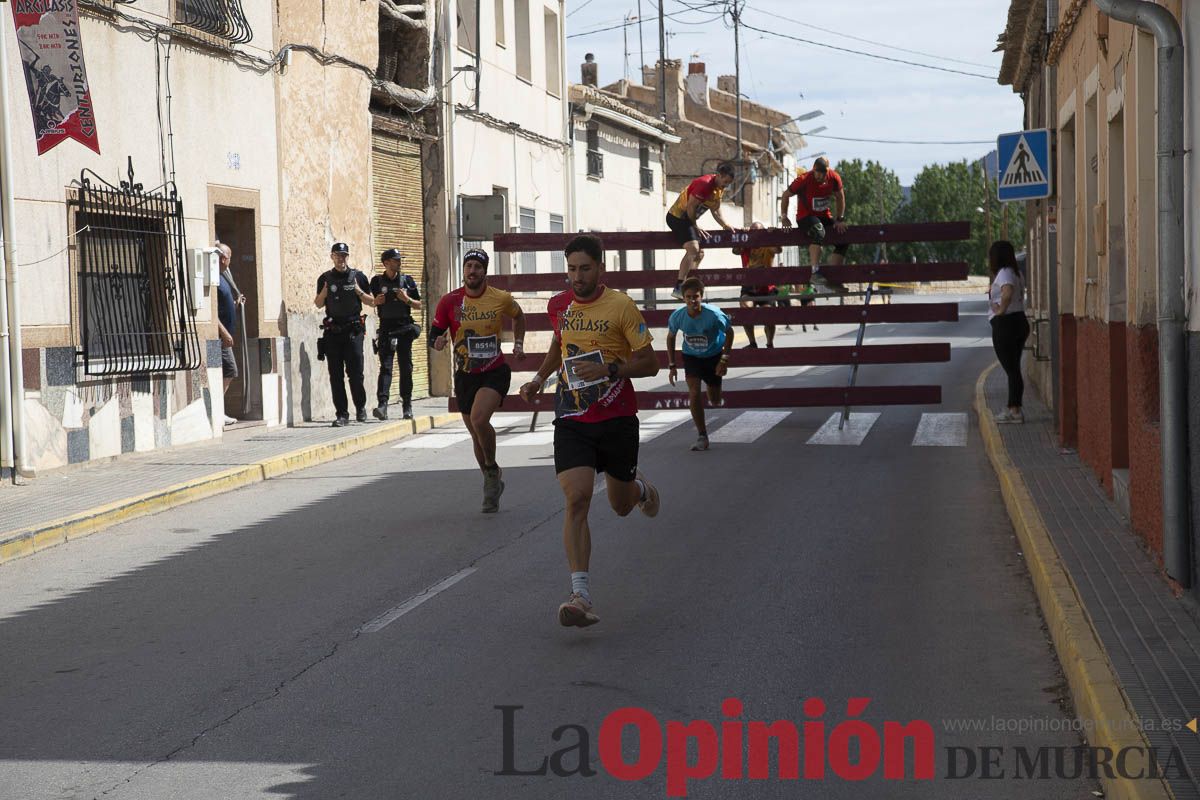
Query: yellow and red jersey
{"points": [[605, 329], [475, 323], [706, 189]]}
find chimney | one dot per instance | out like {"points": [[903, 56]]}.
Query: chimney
{"points": [[697, 83], [591, 70]]}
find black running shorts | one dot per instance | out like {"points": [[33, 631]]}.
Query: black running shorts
{"points": [[805, 223], [685, 230], [703, 368], [609, 446], [468, 384]]}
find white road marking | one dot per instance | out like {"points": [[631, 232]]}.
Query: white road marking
{"points": [[748, 426], [538, 438], [393, 614], [433, 440], [857, 428], [941, 430], [656, 425]]}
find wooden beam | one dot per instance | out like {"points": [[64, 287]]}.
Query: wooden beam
{"points": [[808, 397], [800, 356], [783, 237], [845, 273], [818, 314]]}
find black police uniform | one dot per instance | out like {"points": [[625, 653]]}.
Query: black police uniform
{"points": [[396, 334], [343, 338]]}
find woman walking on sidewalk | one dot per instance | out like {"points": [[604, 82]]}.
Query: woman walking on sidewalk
{"points": [[1010, 328]]}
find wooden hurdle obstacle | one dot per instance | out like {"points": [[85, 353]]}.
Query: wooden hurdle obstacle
{"points": [[862, 314]]}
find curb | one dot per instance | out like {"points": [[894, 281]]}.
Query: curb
{"points": [[27, 541], [1095, 689]]}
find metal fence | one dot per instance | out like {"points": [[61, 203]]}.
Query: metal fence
{"points": [[134, 294]]}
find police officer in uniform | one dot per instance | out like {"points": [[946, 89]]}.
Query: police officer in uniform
{"points": [[396, 295], [341, 292]]}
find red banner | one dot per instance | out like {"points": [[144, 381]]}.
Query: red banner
{"points": [[52, 55]]}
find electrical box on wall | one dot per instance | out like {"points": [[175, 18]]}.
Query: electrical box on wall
{"points": [[204, 264]]}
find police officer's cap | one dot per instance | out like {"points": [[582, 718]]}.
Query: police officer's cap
{"points": [[477, 255], [340, 247], [390, 253]]}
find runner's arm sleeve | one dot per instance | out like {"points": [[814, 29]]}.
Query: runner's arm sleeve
{"points": [[435, 331]]}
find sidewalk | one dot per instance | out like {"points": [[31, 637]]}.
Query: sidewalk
{"points": [[77, 501], [1129, 648]]}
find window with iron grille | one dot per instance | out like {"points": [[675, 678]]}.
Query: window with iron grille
{"points": [[134, 298], [595, 159], [558, 262], [528, 218], [222, 19], [647, 175]]}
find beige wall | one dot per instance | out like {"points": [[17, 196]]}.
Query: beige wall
{"points": [[1106, 95], [324, 130]]}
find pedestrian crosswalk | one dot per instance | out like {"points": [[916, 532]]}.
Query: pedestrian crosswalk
{"points": [[726, 427]]}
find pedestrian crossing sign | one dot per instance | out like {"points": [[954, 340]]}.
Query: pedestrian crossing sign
{"points": [[1024, 161]]}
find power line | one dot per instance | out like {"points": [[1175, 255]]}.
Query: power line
{"points": [[586, 3], [877, 44], [895, 141], [868, 55], [673, 15]]}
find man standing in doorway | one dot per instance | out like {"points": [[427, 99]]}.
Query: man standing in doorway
{"points": [[342, 291], [683, 218], [473, 317], [600, 343], [396, 295], [227, 303]]}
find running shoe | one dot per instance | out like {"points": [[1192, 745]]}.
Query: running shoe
{"points": [[650, 505], [677, 292], [701, 444], [576, 612], [493, 487], [1010, 418], [820, 280]]}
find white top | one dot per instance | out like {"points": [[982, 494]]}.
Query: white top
{"points": [[1007, 277]]}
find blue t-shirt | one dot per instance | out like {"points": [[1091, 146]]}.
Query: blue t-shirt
{"points": [[704, 335], [226, 305]]}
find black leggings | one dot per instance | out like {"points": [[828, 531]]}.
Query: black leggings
{"points": [[1009, 332]]}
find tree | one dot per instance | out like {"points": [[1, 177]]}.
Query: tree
{"points": [[956, 192]]}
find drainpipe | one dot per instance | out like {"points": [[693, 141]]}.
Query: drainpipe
{"points": [[1172, 313], [13, 375], [1051, 90]]}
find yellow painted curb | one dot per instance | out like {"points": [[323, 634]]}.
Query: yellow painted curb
{"points": [[1099, 699], [24, 542]]}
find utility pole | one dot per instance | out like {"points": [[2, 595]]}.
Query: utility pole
{"points": [[737, 74], [987, 208], [662, 66], [641, 44], [882, 219]]}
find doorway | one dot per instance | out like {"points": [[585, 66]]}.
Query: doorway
{"points": [[236, 227]]}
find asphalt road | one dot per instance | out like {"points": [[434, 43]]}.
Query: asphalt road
{"points": [[350, 630]]}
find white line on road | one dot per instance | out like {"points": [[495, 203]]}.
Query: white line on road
{"points": [[393, 614], [538, 438], [656, 425], [941, 430], [857, 428], [749, 426], [432, 440]]}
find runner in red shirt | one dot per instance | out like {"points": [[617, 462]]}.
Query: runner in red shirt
{"points": [[701, 195], [600, 343], [816, 192]]}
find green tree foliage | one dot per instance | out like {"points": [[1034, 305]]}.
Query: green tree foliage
{"points": [[953, 192], [873, 193]]}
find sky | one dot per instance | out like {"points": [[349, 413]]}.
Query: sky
{"points": [[862, 97]]}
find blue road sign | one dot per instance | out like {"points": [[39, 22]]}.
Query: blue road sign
{"points": [[1024, 159]]}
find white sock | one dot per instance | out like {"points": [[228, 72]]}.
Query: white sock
{"points": [[579, 585], [641, 487]]}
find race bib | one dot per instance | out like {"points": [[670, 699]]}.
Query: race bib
{"points": [[822, 203], [574, 381], [482, 348], [699, 343]]}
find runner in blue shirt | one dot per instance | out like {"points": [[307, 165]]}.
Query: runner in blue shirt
{"points": [[707, 341]]}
